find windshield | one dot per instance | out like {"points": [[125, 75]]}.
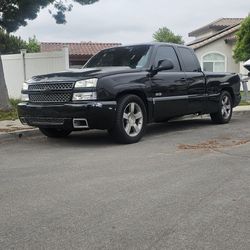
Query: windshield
{"points": [[130, 56]]}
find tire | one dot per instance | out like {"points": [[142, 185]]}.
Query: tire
{"points": [[55, 132], [225, 109], [131, 119]]}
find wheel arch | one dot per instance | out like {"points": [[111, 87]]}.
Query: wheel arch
{"points": [[231, 92], [138, 93]]}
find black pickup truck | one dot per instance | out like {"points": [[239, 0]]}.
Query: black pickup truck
{"points": [[124, 88]]}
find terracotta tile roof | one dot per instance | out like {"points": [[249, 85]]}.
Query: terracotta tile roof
{"points": [[82, 48], [227, 32], [219, 24], [225, 22]]}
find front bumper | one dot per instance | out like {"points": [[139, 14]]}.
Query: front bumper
{"points": [[99, 115]]}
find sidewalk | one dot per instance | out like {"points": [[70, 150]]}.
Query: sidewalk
{"points": [[12, 126], [15, 129]]}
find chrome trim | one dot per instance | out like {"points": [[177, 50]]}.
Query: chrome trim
{"points": [[80, 119], [213, 95], [184, 97], [170, 98]]}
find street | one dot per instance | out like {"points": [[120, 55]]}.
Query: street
{"points": [[186, 185]]}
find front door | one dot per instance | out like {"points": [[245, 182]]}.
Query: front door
{"points": [[169, 88]]}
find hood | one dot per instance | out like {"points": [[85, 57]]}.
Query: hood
{"points": [[81, 74]]}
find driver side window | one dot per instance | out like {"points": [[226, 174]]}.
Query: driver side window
{"points": [[167, 52]]}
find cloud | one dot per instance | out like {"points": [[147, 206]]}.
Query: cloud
{"points": [[130, 21]]}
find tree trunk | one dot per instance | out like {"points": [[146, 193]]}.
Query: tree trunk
{"points": [[4, 97]]}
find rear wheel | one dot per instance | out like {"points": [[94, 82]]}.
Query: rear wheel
{"points": [[225, 110], [55, 132], [130, 120]]}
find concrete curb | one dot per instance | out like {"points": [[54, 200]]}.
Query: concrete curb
{"points": [[242, 109], [16, 135]]}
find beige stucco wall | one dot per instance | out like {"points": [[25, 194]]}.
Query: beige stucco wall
{"points": [[223, 48]]}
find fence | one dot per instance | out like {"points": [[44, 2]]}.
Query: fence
{"points": [[20, 67]]}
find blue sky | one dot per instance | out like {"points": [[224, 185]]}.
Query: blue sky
{"points": [[131, 21]]}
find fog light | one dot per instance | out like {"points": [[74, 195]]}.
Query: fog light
{"points": [[84, 96]]}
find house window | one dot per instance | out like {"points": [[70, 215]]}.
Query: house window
{"points": [[214, 62]]}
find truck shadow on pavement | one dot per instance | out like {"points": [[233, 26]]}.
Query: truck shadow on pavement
{"points": [[97, 138]]}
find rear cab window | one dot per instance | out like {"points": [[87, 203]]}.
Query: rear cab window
{"points": [[190, 61]]}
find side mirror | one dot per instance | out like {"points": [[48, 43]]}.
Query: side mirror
{"points": [[247, 65], [164, 65]]}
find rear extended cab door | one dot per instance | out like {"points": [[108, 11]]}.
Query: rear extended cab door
{"points": [[168, 87], [195, 79]]}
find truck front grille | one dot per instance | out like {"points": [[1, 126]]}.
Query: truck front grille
{"points": [[59, 92], [50, 98], [51, 86]]}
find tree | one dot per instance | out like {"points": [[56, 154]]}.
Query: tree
{"points": [[15, 13], [166, 35], [10, 44], [33, 45], [242, 47]]}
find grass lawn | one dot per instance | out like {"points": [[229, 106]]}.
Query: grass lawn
{"points": [[12, 114]]}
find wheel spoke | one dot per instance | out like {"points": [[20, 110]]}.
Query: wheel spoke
{"points": [[128, 128], [223, 111], [138, 115], [125, 116], [225, 100], [136, 127], [132, 108]]}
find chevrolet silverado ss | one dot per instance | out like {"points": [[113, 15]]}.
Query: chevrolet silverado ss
{"points": [[122, 89]]}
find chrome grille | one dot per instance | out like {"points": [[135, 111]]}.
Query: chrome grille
{"points": [[52, 97], [51, 86]]}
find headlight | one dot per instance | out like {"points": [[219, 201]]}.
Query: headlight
{"points": [[84, 96], [89, 83], [25, 86], [25, 97]]}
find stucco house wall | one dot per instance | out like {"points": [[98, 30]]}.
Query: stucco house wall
{"points": [[220, 47]]}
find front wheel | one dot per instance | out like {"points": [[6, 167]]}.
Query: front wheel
{"points": [[55, 132], [225, 111], [130, 120]]}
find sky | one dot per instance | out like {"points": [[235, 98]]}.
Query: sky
{"points": [[131, 21]]}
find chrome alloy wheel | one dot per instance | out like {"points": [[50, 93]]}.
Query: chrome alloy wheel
{"points": [[226, 108], [132, 119]]}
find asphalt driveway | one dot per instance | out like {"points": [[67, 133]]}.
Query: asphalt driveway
{"points": [[186, 185]]}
